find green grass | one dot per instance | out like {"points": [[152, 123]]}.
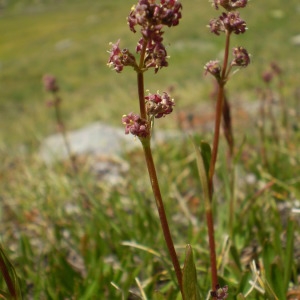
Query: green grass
{"points": [[30, 40], [72, 240]]}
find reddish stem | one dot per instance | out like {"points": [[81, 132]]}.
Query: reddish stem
{"points": [[152, 173], [209, 214], [212, 247], [161, 211], [62, 130], [140, 82]]}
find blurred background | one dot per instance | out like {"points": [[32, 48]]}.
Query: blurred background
{"points": [[70, 40]]}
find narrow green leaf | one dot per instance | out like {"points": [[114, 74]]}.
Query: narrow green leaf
{"points": [[268, 255], [202, 160], [289, 253], [244, 282], [10, 276], [273, 288], [189, 278], [277, 284], [240, 151], [240, 297], [90, 291], [236, 257], [4, 295], [206, 155], [159, 296]]}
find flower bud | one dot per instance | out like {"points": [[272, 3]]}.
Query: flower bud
{"points": [[135, 125], [241, 57], [119, 58], [230, 5], [50, 83], [213, 67], [159, 105]]}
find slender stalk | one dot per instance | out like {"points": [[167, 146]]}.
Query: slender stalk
{"points": [[153, 176], [216, 138], [140, 82], [232, 199], [219, 109], [209, 214], [161, 211], [63, 132], [212, 247]]}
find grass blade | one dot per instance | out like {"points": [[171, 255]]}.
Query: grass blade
{"points": [[289, 253], [10, 276], [189, 276]]}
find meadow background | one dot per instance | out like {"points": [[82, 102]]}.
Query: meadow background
{"points": [[44, 238]]}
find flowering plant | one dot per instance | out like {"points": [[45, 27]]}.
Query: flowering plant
{"points": [[227, 23], [150, 17]]}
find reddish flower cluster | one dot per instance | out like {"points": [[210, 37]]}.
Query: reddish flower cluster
{"points": [[213, 67], [221, 292], [151, 17], [50, 83], [159, 105], [230, 22], [135, 125], [230, 5], [119, 58], [241, 57], [268, 76]]}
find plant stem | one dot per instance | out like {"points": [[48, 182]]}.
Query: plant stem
{"points": [[63, 133], [140, 82], [153, 176], [140, 79], [219, 110], [161, 210], [212, 248], [214, 154], [209, 214]]}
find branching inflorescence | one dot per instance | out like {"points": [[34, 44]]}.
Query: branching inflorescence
{"points": [[229, 22], [151, 18]]}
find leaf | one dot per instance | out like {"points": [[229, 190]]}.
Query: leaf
{"points": [[206, 155], [240, 297], [202, 158], [159, 296], [236, 257], [189, 278], [10, 276], [244, 282], [289, 253], [277, 286]]}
